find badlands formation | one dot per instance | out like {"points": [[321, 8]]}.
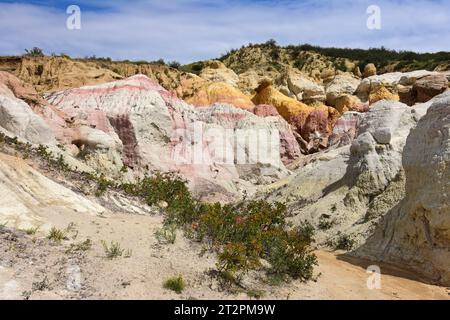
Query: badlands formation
{"points": [[362, 157]]}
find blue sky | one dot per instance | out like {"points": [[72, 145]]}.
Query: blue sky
{"points": [[190, 30]]}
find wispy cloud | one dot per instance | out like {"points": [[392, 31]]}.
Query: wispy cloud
{"points": [[188, 30]]}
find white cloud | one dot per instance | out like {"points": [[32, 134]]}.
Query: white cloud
{"points": [[188, 30]]}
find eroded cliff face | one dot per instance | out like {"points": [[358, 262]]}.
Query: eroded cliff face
{"points": [[416, 232]]}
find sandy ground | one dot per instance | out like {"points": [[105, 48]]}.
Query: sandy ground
{"points": [[33, 267]]}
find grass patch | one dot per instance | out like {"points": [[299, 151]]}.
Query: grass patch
{"points": [[175, 284]]}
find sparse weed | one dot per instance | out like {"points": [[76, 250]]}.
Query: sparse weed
{"points": [[56, 235], [175, 284], [112, 251], [31, 231]]}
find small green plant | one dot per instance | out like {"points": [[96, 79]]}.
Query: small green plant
{"points": [[113, 250], [167, 234], [175, 284], [56, 235]]}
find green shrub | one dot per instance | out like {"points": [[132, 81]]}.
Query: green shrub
{"points": [[169, 188], [175, 284], [290, 254]]}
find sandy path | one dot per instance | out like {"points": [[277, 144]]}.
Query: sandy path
{"points": [[341, 279]]}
